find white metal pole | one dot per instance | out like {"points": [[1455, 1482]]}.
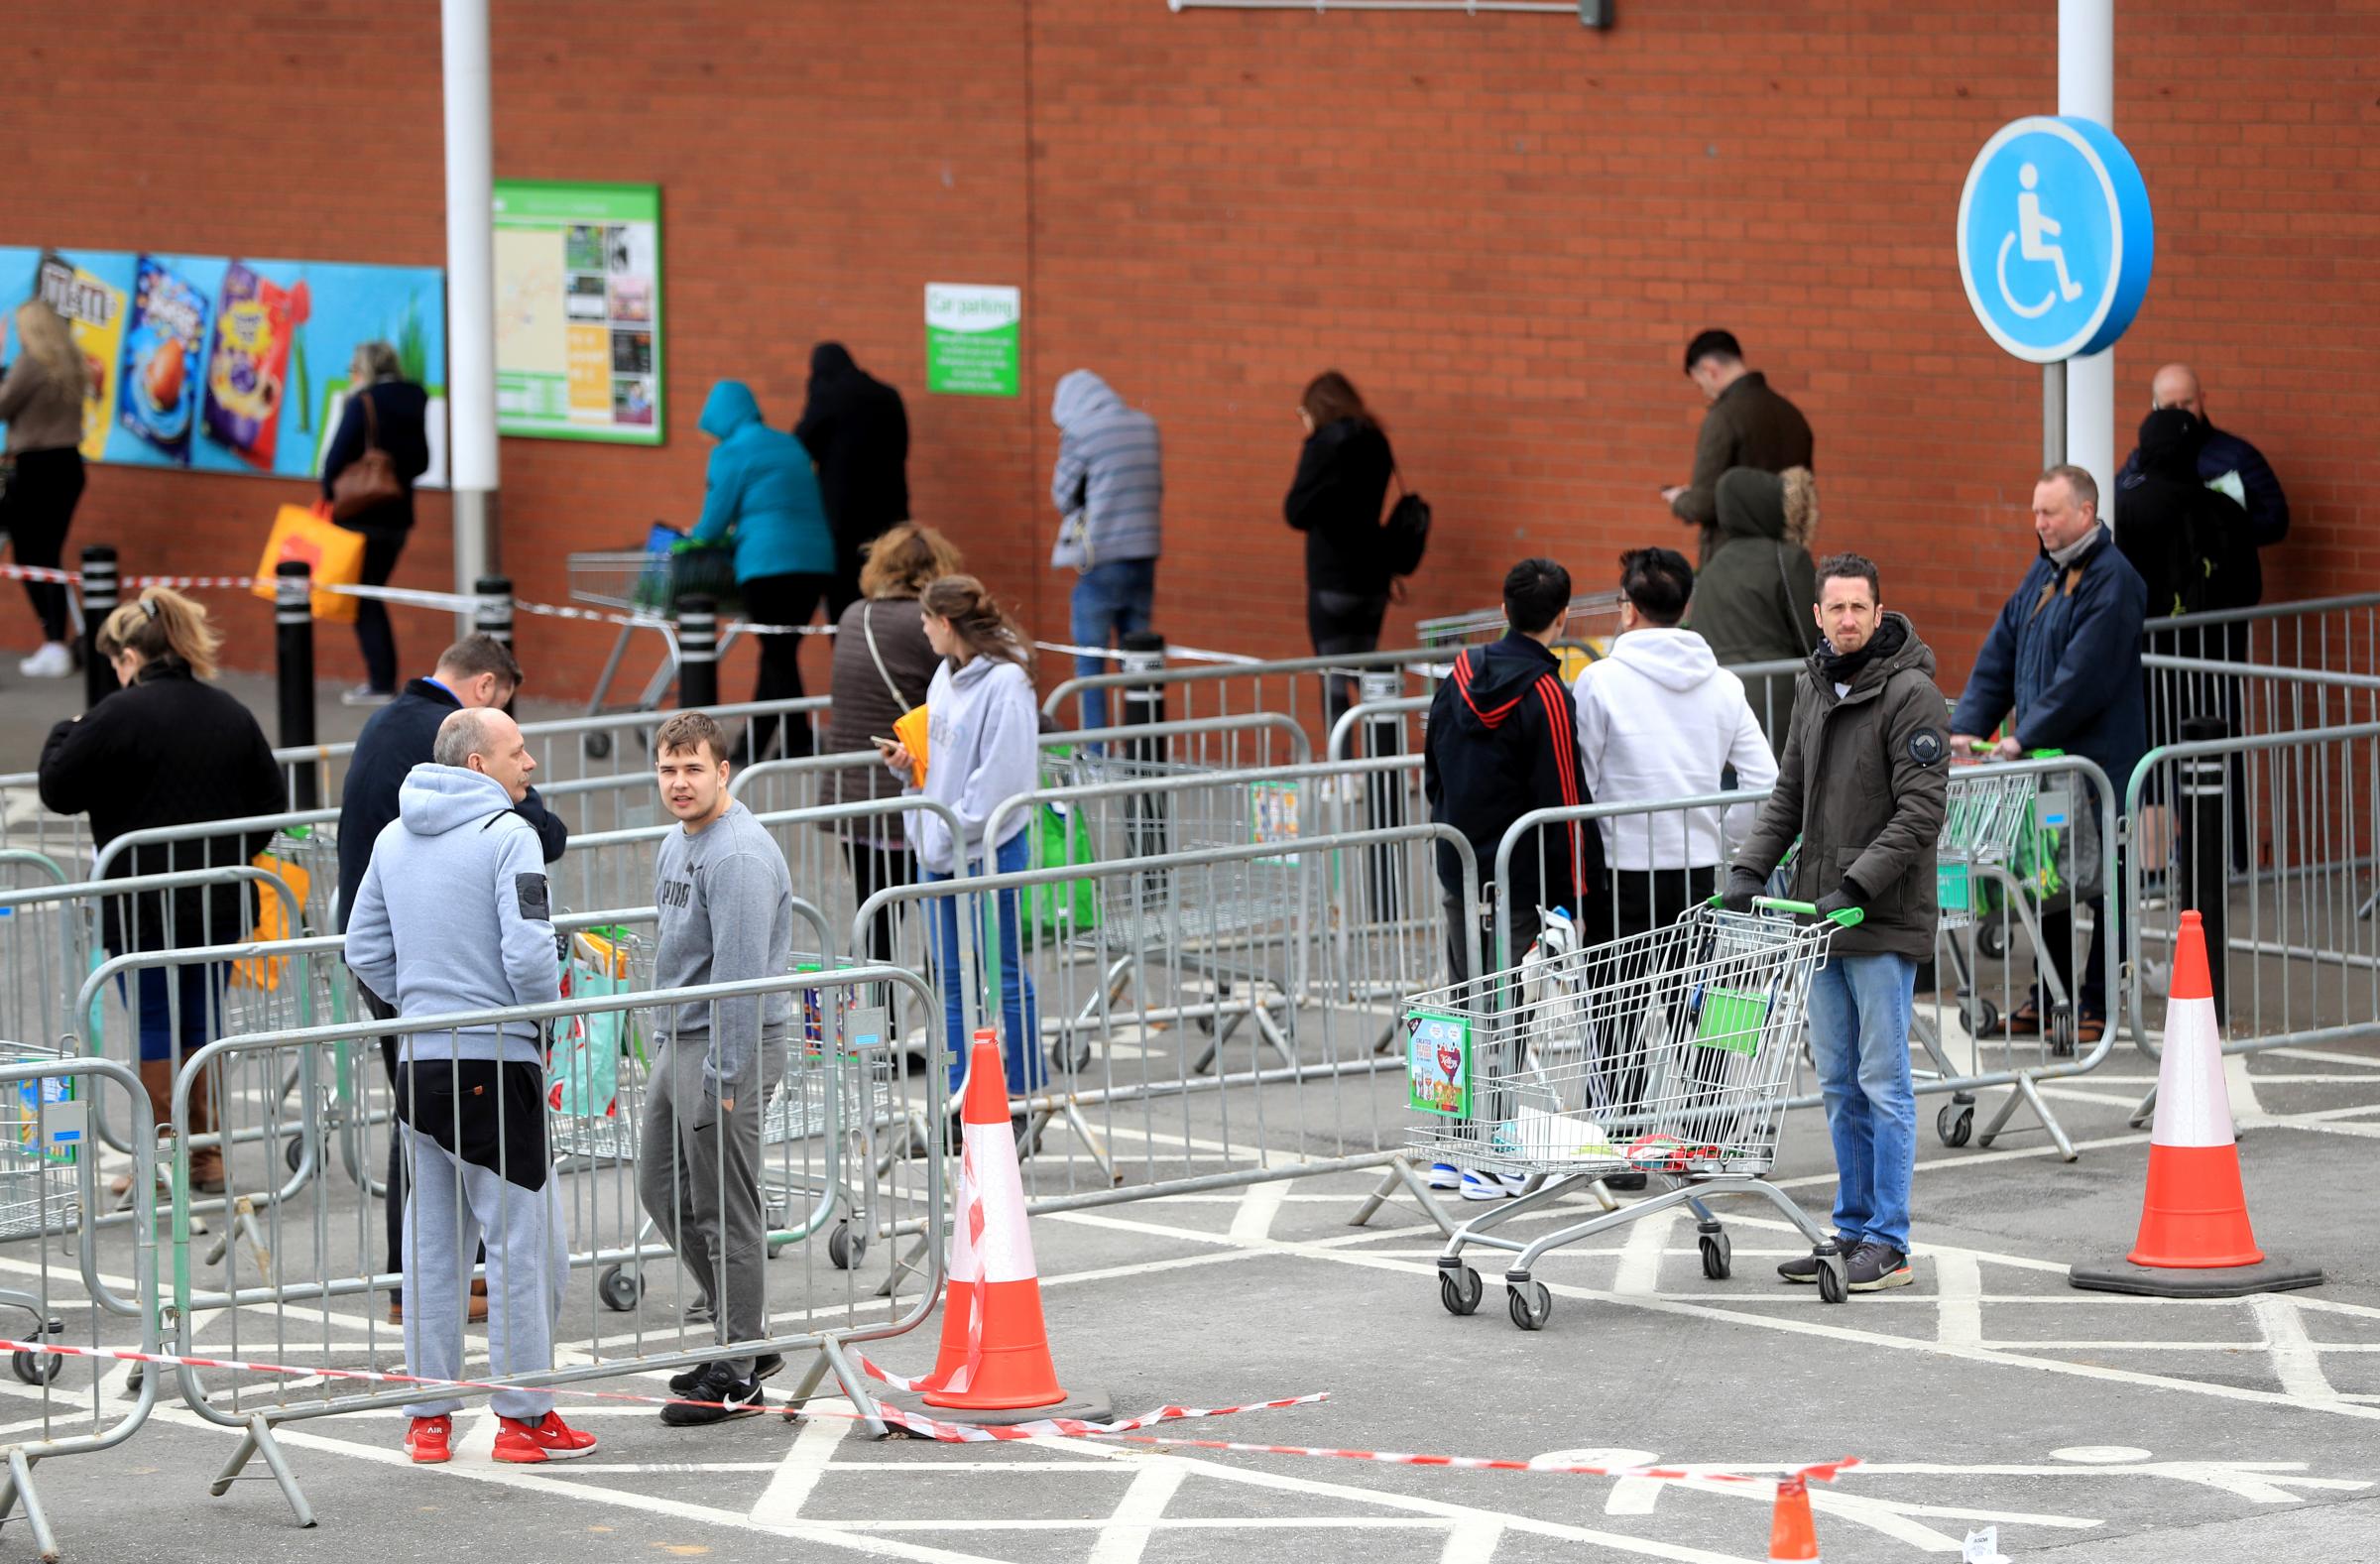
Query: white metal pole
{"points": [[470, 290], [2087, 87]]}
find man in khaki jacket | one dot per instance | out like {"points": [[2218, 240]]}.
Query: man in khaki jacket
{"points": [[1862, 784]]}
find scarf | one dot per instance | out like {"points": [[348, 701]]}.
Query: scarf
{"points": [[1843, 667]]}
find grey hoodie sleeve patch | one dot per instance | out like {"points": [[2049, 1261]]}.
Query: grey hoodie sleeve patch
{"points": [[530, 892]]}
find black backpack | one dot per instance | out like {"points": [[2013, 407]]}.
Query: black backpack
{"points": [[1406, 535]]}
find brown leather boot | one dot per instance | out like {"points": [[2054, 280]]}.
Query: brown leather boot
{"points": [[206, 1161], [157, 1079]]}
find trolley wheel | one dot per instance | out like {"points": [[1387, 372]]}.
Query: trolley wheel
{"points": [[1529, 1303], [1833, 1278], [846, 1248], [620, 1288], [1069, 1054], [1991, 936], [2062, 1031], [1956, 1125], [1982, 1017], [595, 745], [1460, 1290], [43, 1370], [1718, 1256]]}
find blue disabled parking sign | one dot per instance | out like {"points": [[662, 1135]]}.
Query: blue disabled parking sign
{"points": [[2055, 238]]}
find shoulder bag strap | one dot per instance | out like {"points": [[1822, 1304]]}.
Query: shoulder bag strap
{"points": [[868, 632], [371, 420]]}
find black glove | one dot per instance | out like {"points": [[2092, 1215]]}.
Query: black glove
{"points": [[1847, 900], [1743, 886]]}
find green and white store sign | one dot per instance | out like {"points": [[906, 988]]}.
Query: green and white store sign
{"points": [[971, 339]]}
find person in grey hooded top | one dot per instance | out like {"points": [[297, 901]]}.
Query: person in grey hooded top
{"points": [[455, 916], [1109, 488]]}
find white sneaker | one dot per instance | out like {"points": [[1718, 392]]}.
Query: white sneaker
{"points": [[1492, 1187], [1445, 1175], [366, 695], [53, 661]]}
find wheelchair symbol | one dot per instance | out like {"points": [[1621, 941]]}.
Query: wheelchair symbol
{"points": [[2029, 238]]}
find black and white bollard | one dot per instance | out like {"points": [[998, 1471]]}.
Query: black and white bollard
{"points": [[99, 599], [294, 668], [1384, 790], [697, 653], [1147, 816]]}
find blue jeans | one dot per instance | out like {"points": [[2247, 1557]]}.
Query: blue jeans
{"points": [[1110, 601], [1020, 1023], [1860, 1033], [186, 1001]]}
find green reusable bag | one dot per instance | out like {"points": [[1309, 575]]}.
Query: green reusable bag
{"points": [[1062, 909]]}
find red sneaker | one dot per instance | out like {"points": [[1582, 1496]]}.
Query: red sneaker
{"points": [[426, 1440], [547, 1439]]}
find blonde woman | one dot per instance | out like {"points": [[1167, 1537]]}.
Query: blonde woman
{"points": [[40, 402], [169, 749]]}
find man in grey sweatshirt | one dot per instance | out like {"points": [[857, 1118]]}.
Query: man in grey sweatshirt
{"points": [[725, 905], [453, 915]]}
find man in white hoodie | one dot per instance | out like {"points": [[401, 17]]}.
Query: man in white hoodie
{"points": [[1660, 719]]}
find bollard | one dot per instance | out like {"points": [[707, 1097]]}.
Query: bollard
{"points": [[2203, 848], [98, 601], [697, 653], [1384, 791], [1148, 822], [294, 661], [492, 616]]}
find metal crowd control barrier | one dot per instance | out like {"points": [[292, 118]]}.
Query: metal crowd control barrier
{"points": [[1155, 1096], [2291, 936], [1294, 687], [292, 1295], [52, 936], [60, 1406], [1968, 964]]}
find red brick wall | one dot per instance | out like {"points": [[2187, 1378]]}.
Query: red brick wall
{"points": [[1502, 227]]}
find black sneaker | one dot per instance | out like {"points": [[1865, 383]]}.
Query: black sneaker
{"points": [[688, 1383], [1804, 1267], [1875, 1267], [717, 1400]]}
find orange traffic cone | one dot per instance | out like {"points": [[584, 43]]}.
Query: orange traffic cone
{"points": [[1792, 1530], [995, 1346], [2195, 1239]]}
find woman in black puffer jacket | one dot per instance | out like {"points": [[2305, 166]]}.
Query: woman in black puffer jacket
{"points": [[1341, 483]]}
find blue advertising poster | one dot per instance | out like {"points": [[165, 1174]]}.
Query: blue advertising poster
{"points": [[229, 365]]}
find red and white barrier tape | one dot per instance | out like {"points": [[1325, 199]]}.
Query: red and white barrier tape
{"points": [[35, 573], [962, 1372], [932, 1428]]}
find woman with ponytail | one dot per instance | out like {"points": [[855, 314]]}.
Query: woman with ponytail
{"points": [[980, 730], [169, 749]]}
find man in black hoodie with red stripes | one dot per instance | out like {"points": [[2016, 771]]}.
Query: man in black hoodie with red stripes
{"points": [[1501, 741]]}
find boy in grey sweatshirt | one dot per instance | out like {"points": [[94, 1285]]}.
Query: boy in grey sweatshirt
{"points": [[453, 916], [726, 903]]}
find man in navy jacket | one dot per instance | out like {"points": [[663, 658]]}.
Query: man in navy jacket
{"points": [[2065, 658]]}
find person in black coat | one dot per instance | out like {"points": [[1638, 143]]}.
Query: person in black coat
{"points": [[385, 412], [2193, 547], [169, 749], [478, 670], [1341, 483], [857, 432]]}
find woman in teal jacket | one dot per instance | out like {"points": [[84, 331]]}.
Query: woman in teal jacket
{"points": [[764, 499]]}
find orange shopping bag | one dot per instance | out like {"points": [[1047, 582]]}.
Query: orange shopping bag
{"points": [[334, 555], [910, 728], [273, 920]]}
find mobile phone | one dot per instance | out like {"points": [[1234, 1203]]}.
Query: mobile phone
{"points": [[882, 742]]}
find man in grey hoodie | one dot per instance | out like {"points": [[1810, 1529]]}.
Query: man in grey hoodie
{"points": [[1110, 488], [453, 915], [726, 901]]}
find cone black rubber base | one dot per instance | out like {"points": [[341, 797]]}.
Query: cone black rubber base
{"points": [[2222, 1281], [1089, 1406]]}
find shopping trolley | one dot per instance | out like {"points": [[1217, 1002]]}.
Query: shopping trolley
{"points": [[1669, 1053], [1594, 625], [647, 586], [42, 1132]]}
